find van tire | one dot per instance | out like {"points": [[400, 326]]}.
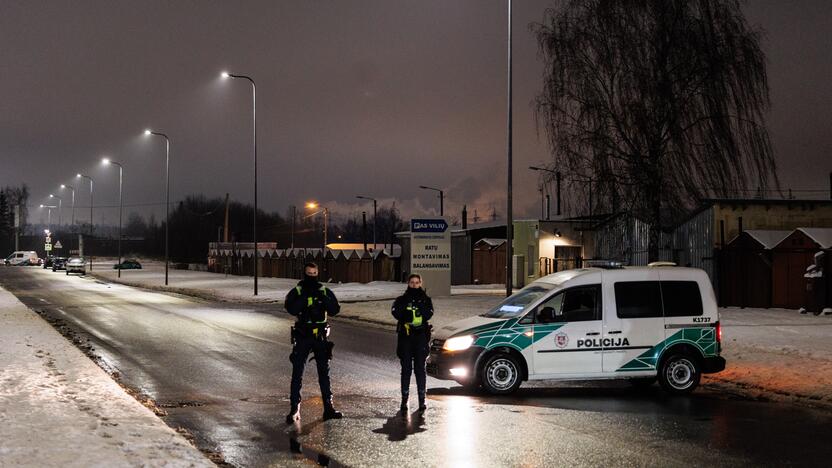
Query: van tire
{"points": [[679, 373], [501, 374]]}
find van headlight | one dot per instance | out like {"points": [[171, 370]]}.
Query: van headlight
{"points": [[458, 343]]}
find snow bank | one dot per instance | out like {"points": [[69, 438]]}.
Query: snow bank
{"points": [[57, 408]]}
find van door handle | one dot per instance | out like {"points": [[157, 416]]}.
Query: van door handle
{"points": [[592, 334], [615, 332]]}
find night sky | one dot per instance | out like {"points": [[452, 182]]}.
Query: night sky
{"points": [[354, 98]]}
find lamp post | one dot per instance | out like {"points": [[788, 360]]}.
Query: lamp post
{"points": [[375, 213], [509, 213], [64, 186], [80, 176], [107, 162], [325, 211], [60, 208], [557, 179], [167, 196], [254, 122], [48, 215], [441, 198]]}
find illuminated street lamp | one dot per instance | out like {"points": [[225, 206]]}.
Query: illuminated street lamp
{"points": [[107, 162], [312, 205], [48, 216], [64, 186], [375, 211], [60, 208], [226, 75], [149, 132]]}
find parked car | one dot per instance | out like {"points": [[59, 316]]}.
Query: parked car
{"points": [[58, 263], [129, 264], [22, 258], [76, 265]]}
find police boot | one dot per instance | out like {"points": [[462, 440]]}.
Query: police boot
{"points": [[422, 406], [294, 414], [330, 412], [403, 408]]}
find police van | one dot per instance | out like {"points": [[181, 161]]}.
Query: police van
{"points": [[634, 323]]}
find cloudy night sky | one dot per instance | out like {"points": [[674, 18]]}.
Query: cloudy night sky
{"points": [[354, 98]]}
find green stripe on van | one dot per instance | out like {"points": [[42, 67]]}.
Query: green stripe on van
{"points": [[702, 338]]}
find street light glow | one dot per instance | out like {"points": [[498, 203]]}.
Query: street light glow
{"points": [[147, 131], [63, 186], [51, 196], [78, 176], [41, 206], [224, 74], [311, 205], [105, 161]]}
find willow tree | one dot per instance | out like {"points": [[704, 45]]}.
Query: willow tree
{"points": [[660, 103]]}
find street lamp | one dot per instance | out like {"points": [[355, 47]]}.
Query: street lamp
{"points": [[107, 162], [149, 132], [441, 198], [312, 205], [557, 180], [226, 75], [375, 211], [49, 215], [64, 186], [80, 176], [509, 205], [60, 208]]}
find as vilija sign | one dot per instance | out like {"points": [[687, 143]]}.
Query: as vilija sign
{"points": [[430, 254]]}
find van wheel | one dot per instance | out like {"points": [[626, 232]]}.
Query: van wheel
{"points": [[679, 373], [501, 374]]}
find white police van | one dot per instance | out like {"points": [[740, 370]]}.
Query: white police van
{"points": [[635, 323]]}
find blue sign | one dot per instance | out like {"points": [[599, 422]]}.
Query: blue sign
{"points": [[428, 225]]}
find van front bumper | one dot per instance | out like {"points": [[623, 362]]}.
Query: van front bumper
{"points": [[712, 365], [463, 363]]}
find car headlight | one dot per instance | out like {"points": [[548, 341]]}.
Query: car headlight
{"points": [[458, 343]]}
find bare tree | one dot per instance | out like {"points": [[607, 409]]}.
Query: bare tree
{"points": [[659, 103]]}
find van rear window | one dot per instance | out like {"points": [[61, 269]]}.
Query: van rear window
{"points": [[681, 299], [638, 299]]}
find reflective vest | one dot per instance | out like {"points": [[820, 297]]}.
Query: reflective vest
{"points": [[310, 301], [415, 318]]}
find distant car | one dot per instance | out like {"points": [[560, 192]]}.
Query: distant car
{"points": [[129, 264], [22, 258], [58, 263], [76, 265], [47, 262]]}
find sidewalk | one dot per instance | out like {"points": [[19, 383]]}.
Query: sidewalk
{"points": [[57, 408], [230, 288]]}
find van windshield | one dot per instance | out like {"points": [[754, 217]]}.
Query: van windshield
{"points": [[516, 304]]}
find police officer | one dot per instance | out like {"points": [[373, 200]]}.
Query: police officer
{"points": [[311, 302], [412, 311]]}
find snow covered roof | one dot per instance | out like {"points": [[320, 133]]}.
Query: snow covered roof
{"points": [[823, 236], [492, 242], [766, 237]]}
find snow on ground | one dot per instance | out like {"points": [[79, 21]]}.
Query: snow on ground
{"points": [[241, 288], [50, 391]]}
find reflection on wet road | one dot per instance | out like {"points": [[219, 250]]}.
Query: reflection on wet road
{"points": [[222, 372]]}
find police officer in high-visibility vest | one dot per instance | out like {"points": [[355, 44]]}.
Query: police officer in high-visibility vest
{"points": [[412, 311], [311, 302]]}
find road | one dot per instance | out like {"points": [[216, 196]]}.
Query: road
{"points": [[221, 371]]}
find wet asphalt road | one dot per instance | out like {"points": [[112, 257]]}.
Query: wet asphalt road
{"points": [[222, 372]]}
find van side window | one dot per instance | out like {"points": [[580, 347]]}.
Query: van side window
{"points": [[579, 304], [681, 299], [582, 304], [638, 299]]}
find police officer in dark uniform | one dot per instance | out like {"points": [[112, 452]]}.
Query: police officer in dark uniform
{"points": [[412, 311], [311, 302]]}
